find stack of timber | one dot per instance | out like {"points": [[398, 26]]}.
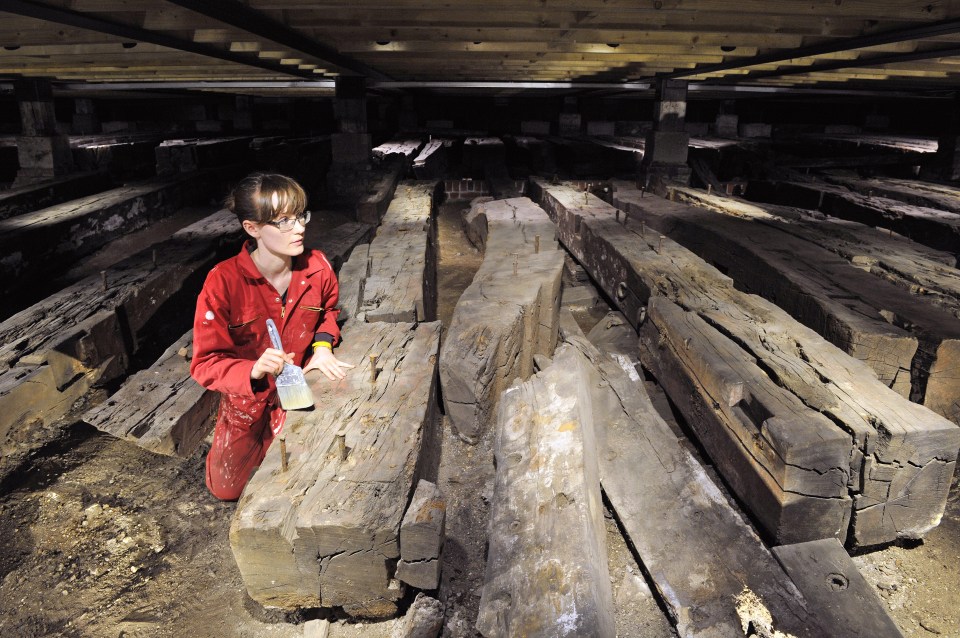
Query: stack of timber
{"points": [[852, 309], [710, 568], [26, 199], [394, 277], [546, 569], [406, 149], [432, 161], [820, 443], [372, 206], [187, 155], [918, 193], [935, 228], [40, 243], [320, 527], [927, 273], [161, 408], [503, 319], [56, 350]]}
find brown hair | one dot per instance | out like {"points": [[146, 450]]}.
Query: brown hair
{"points": [[253, 198]]}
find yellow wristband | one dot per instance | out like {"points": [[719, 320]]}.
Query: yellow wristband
{"points": [[321, 344]]}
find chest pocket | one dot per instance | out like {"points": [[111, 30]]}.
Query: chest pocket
{"points": [[246, 329]]}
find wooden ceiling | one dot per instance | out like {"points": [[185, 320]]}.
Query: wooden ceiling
{"points": [[873, 44]]}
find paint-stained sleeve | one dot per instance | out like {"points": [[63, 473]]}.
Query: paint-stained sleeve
{"points": [[216, 364]]}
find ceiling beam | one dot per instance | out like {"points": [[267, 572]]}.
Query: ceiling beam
{"points": [[101, 25], [944, 27], [252, 21]]}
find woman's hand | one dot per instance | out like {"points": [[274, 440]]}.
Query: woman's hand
{"points": [[270, 362], [324, 361]]}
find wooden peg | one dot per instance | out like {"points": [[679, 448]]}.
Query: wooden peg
{"points": [[103, 280], [616, 214], [153, 258], [643, 228], [709, 189], [340, 439], [536, 244], [516, 263], [283, 452], [373, 368], [660, 244]]}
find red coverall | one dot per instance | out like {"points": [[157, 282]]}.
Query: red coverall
{"points": [[230, 334]]}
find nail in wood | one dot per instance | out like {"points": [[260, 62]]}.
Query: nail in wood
{"points": [[373, 368], [643, 228], [516, 263], [616, 214], [709, 189], [660, 244], [536, 244], [103, 279], [283, 452], [341, 440], [153, 257]]}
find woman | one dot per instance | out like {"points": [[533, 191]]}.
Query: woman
{"points": [[272, 277]]}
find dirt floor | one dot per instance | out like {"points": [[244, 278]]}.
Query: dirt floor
{"points": [[102, 539]]}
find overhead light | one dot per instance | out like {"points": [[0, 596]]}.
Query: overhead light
{"points": [[478, 41], [11, 47], [383, 43], [613, 45], [128, 45], [727, 48]]}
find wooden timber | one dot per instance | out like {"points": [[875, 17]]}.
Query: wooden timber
{"points": [[404, 148], [916, 192], [26, 199], [326, 532], [546, 571], [161, 408], [421, 537], [789, 464], [373, 205], [40, 243], [431, 163], [901, 454], [503, 318], [187, 155], [701, 555], [852, 309], [56, 350], [935, 228], [831, 583], [401, 278]]}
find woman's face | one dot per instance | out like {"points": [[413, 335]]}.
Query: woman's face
{"points": [[278, 242]]}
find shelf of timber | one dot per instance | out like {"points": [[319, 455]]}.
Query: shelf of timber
{"points": [[807, 437]]}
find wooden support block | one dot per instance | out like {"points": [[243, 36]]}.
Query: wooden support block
{"points": [[47, 241], [701, 555], [422, 530], [161, 409], [406, 148], [421, 574], [326, 533], [546, 565], [401, 284], [889, 436], [501, 321], [54, 351], [831, 583]]}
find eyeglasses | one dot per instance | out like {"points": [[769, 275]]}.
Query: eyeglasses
{"points": [[286, 224]]}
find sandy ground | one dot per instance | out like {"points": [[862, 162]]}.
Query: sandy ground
{"points": [[102, 539]]}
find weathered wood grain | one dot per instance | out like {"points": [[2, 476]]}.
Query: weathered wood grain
{"points": [[326, 532], [26, 199], [401, 280], [40, 243], [901, 454], [831, 583], [935, 228], [372, 206], [916, 192], [546, 569], [406, 148], [502, 319], [421, 537], [700, 553], [56, 350], [911, 346], [431, 163], [161, 409]]}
